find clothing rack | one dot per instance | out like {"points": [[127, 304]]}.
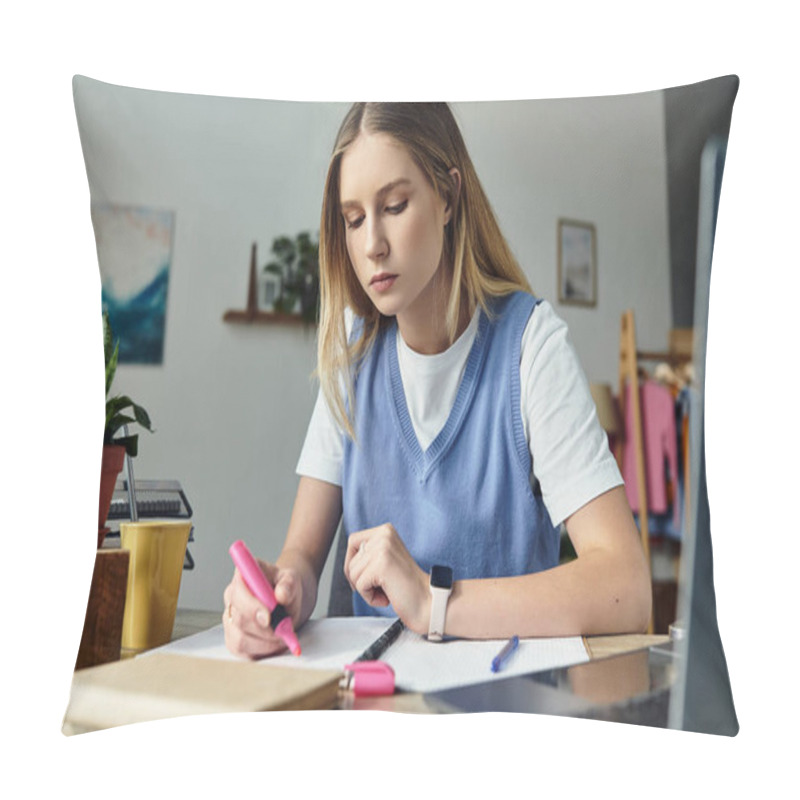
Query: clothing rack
{"points": [[630, 359]]}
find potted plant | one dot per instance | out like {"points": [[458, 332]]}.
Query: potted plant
{"points": [[115, 446], [296, 261]]}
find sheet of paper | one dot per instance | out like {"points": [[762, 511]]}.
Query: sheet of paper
{"points": [[422, 666], [419, 665]]}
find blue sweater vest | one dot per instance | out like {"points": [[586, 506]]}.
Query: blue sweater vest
{"points": [[467, 500]]}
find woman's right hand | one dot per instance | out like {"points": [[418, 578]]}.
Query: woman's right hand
{"points": [[246, 621]]}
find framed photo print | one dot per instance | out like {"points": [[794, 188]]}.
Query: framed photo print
{"points": [[577, 263]]}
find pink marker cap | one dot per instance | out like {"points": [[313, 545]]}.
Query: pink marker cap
{"points": [[369, 678]]}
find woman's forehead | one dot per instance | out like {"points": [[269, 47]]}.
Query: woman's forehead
{"points": [[374, 162]]}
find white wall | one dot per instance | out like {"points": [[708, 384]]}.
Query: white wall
{"points": [[231, 403], [598, 160]]}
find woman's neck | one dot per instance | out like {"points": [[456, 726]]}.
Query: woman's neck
{"points": [[424, 327]]}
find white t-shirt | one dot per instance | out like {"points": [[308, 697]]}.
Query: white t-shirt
{"points": [[570, 457]]}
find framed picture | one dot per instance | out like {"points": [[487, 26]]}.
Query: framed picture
{"points": [[577, 263], [134, 250]]}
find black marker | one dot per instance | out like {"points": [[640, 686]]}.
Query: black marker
{"points": [[382, 643]]}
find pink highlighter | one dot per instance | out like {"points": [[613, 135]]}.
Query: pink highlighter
{"points": [[260, 587]]}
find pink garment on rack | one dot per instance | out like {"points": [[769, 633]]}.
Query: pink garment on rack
{"points": [[660, 436]]}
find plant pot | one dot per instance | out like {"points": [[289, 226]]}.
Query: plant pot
{"points": [[113, 459]]}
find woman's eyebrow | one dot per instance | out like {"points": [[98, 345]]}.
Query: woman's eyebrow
{"points": [[384, 190]]}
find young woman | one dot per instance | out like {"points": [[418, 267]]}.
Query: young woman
{"points": [[454, 425]]}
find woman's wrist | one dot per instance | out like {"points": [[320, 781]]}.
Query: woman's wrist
{"points": [[415, 610], [423, 617]]}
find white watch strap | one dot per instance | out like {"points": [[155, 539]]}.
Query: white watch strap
{"points": [[439, 598]]}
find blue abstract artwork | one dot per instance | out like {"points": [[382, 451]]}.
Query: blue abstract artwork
{"points": [[134, 250]]}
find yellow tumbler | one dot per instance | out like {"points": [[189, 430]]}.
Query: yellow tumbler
{"points": [[157, 549]]}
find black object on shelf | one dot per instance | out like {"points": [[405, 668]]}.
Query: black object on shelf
{"points": [[153, 499], [150, 499]]}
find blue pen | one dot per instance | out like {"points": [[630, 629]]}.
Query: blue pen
{"points": [[508, 648]]}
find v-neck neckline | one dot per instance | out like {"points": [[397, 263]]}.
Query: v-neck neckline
{"points": [[425, 461]]}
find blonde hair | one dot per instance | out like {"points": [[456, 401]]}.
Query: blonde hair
{"points": [[480, 260]]}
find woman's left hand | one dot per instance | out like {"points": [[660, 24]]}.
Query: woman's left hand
{"points": [[380, 568]]}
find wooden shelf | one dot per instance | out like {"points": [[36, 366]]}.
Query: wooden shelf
{"points": [[245, 317], [252, 314]]}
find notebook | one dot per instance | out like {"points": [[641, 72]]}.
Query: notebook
{"points": [[164, 685]]}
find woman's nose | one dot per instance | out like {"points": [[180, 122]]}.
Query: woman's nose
{"points": [[377, 246]]}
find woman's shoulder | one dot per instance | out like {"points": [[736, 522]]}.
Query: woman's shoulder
{"points": [[522, 301], [545, 315], [543, 322], [533, 314], [544, 339]]}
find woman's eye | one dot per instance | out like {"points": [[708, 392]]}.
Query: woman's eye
{"points": [[397, 208], [353, 222]]}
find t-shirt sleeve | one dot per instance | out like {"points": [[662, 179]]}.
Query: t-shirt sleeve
{"points": [[571, 459], [321, 456], [323, 451]]}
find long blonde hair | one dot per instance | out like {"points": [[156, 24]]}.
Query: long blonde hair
{"points": [[474, 248]]}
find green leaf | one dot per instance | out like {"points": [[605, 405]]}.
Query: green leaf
{"points": [[118, 402], [115, 419], [130, 443], [107, 336], [142, 417], [283, 247], [111, 368], [113, 423]]}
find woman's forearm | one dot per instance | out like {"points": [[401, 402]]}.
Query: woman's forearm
{"points": [[312, 528], [606, 589], [593, 594]]}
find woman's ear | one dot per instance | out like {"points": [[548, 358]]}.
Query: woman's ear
{"points": [[455, 177]]}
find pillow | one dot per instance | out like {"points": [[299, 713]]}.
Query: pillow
{"points": [[608, 203]]}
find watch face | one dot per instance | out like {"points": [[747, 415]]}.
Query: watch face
{"points": [[441, 577]]}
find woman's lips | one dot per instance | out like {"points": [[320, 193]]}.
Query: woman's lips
{"points": [[382, 282]]}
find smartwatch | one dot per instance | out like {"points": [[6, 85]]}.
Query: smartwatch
{"points": [[441, 587]]}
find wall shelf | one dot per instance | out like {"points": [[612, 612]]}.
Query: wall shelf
{"points": [[252, 314], [245, 317]]}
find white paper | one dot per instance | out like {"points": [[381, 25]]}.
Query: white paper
{"points": [[422, 666], [419, 665]]}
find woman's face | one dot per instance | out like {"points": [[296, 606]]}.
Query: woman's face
{"points": [[394, 228]]}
